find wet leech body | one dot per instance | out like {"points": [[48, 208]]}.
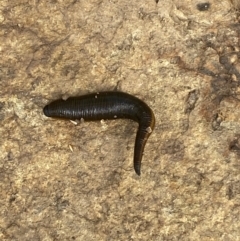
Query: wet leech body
{"points": [[108, 105]]}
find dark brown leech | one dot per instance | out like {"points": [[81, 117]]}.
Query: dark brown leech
{"points": [[108, 105]]}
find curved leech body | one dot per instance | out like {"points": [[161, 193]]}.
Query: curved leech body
{"points": [[108, 105]]}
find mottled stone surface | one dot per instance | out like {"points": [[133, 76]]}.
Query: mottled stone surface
{"points": [[60, 181]]}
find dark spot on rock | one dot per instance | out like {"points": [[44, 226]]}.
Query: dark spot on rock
{"points": [[203, 6], [174, 148], [235, 145], [216, 121], [1, 110], [233, 190], [12, 199], [191, 101]]}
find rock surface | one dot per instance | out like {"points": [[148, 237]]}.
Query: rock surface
{"points": [[61, 181]]}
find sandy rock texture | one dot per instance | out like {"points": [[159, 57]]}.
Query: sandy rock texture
{"points": [[60, 181]]}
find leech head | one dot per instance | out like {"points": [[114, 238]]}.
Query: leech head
{"points": [[57, 108], [46, 111], [51, 112]]}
